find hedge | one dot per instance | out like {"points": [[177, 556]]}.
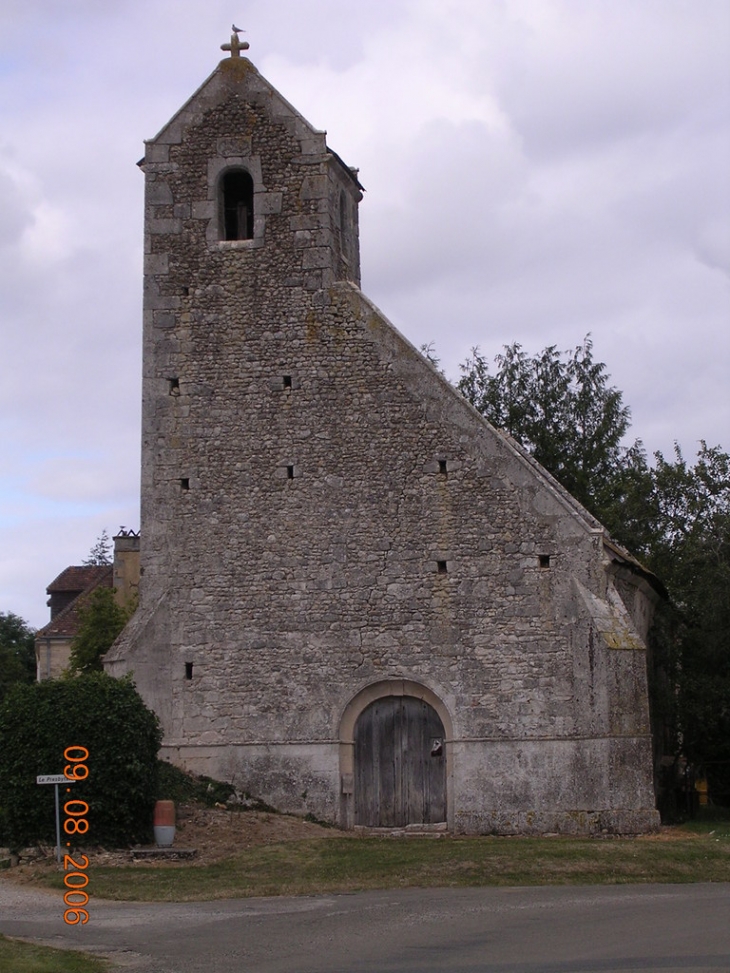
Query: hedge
{"points": [[107, 717]]}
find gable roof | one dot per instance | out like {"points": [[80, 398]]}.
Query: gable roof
{"points": [[409, 363], [66, 624], [625, 559], [240, 75], [438, 394], [78, 578], [230, 72]]}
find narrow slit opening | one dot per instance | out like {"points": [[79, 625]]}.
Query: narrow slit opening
{"points": [[287, 381], [290, 472], [188, 670], [184, 483]]}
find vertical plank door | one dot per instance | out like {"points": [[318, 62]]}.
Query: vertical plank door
{"points": [[400, 767]]}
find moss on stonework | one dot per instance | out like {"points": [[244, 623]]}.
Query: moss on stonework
{"points": [[237, 68], [177, 785], [621, 639]]}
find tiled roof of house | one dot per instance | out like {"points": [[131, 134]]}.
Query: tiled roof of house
{"points": [[66, 623], [78, 578]]}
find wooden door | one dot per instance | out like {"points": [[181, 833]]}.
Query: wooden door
{"points": [[400, 764]]}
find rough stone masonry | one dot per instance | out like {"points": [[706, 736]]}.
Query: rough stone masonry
{"points": [[359, 600]]}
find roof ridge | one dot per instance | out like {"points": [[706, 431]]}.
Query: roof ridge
{"points": [[68, 610], [88, 570]]}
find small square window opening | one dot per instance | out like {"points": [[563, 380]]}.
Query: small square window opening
{"points": [[544, 560], [441, 567]]}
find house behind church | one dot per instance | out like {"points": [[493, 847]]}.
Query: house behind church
{"points": [[359, 599], [71, 591]]}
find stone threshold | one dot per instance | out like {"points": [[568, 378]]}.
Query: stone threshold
{"points": [[408, 831], [168, 854]]}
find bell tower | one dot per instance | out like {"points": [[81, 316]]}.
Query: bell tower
{"points": [[249, 219]]}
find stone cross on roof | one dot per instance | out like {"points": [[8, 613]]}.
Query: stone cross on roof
{"points": [[235, 46]]}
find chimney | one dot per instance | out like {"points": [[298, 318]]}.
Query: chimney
{"points": [[126, 566]]}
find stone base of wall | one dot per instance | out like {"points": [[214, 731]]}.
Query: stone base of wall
{"points": [[304, 778], [612, 821], [293, 778]]}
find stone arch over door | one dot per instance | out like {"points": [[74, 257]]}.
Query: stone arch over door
{"points": [[395, 757]]}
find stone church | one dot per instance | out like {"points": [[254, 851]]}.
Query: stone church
{"points": [[358, 600]]}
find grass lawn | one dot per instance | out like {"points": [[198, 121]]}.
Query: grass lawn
{"points": [[19, 957], [695, 852], [699, 852]]}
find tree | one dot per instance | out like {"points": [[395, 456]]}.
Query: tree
{"points": [[428, 350], [560, 407], [691, 553], [673, 515], [17, 652], [101, 619], [628, 505], [101, 552], [105, 716]]}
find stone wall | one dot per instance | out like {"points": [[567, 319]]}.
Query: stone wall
{"points": [[323, 513]]}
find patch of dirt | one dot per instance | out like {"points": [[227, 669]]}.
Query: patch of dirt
{"points": [[217, 833]]}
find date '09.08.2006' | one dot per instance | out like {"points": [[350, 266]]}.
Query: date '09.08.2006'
{"points": [[76, 823]]}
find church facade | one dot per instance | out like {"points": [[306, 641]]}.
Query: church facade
{"points": [[358, 599]]}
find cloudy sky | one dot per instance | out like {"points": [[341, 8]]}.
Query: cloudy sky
{"points": [[535, 170]]}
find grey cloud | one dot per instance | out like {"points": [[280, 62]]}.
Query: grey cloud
{"points": [[713, 245], [631, 70], [15, 210], [597, 203]]}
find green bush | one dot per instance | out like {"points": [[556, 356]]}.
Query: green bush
{"points": [[101, 620], [17, 652], [107, 717], [183, 788]]}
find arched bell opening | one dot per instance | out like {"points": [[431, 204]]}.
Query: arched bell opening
{"points": [[236, 205]]}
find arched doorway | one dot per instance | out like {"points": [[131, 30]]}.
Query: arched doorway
{"points": [[399, 764]]}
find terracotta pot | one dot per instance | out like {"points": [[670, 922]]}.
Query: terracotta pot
{"points": [[164, 823]]}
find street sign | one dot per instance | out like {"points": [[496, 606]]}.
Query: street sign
{"points": [[55, 779]]}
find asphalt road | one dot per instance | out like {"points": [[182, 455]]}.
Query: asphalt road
{"points": [[593, 929]]}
